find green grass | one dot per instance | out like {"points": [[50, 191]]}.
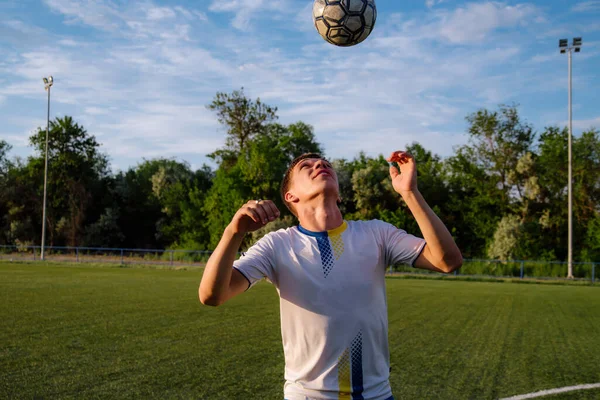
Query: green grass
{"points": [[105, 332]]}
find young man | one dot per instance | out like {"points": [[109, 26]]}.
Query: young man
{"points": [[330, 277]]}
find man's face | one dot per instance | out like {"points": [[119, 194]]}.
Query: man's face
{"points": [[313, 177]]}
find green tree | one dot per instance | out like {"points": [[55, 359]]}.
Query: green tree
{"points": [[105, 232], [139, 209], [243, 119], [160, 204], [195, 234], [552, 211], [481, 180], [497, 141], [77, 176], [227, 194], [4, 150]]}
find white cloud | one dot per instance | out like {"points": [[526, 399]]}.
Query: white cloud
{"points": [[585, 124], [158, 13], [586, 6], [191, 14], [21, 27], [432, 3], [246, 10], [96, 13], [68, 42], [158, 129], [473, 22], [543, 58], [96, 111]]}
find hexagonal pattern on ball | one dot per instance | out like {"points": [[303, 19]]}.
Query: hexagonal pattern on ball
{"points": [[355, 6], [354, 24], [363, 36], [322, 27], [334, 13], [318, 7], [369, 15]]}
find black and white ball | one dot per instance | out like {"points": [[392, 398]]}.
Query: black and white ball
{"points": [[344, 22]]}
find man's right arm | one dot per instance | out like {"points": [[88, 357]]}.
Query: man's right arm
{"points": [[220, 281]]}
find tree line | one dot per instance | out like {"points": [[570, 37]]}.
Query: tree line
{"points": [[503, 195]]}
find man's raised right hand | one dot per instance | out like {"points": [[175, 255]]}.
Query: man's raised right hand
{"points": [[253, 215]]}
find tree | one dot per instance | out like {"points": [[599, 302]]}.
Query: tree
{"points": [[4, 150], [139, 208], [77, 176], [194, 234], [481, 179], [551, 167], [505, 243], [372, 189], [243, 119], [4, 166], [105, 232], [497, 142]]}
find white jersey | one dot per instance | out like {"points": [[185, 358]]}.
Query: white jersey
{"points": [[333, 304]]}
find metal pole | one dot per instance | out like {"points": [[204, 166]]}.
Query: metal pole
{"points": [[45, 179], [522, 269], [570, 187]]}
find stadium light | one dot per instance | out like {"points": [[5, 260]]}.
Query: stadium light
{"points": [[563, 44], [48, 82]]}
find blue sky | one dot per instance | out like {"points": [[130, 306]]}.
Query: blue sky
{"points": [[138, 75]]}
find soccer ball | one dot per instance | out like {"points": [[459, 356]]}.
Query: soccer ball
{"points": [[344, 22]]}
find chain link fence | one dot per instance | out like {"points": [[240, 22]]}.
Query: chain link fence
{"points": [[521, 269], [103, 255]]}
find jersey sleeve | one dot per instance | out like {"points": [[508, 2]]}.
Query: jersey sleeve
{"points": [[257, 262], [400, 247]]}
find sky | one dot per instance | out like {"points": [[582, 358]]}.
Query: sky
{"points": [[139, 74]]}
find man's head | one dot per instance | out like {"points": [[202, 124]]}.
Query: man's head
{"points": [[310, 175]]}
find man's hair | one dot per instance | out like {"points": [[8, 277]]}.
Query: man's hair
{"points": [[285, 183]]}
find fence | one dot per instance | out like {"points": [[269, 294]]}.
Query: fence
{"points": [[523, 269], [104, 255]]}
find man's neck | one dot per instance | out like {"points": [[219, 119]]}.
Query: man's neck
{"points": [[320, 216]]}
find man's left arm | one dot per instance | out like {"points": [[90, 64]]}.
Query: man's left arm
{"points": [[440, 254]]}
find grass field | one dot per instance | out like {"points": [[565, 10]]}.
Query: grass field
{"points": [[105, 332]]}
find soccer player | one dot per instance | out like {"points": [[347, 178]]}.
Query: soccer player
{"points": [[329, 274]]}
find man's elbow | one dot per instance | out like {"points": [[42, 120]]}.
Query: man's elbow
{"points": [[453, 263], [209, 299]]}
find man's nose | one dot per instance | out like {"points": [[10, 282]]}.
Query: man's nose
{"points": [[320, 164]]}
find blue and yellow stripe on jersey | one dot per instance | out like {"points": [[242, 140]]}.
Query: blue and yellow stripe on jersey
{"points": [[350, 375], [331, 245]]}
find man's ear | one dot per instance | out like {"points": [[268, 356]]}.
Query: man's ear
{"points": [[291, 198], [339, 200]]}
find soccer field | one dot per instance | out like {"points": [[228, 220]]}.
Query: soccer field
{"points": [[105, 332]]}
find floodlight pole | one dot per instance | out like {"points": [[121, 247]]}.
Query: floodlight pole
{"points": [[570, 186], [48, 84], [565, 48]]}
